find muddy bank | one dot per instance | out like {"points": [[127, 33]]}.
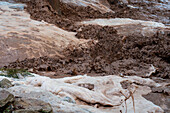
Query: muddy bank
{"points": [[135, 50], [112, 54]]}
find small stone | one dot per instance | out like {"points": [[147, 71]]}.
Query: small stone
{"points": [[126, 84], [87, 85], [43, 67], [167, 90], [31, 70], [70, 100]]}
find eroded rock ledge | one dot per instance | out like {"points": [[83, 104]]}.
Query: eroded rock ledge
{"points": [[87, 94]]}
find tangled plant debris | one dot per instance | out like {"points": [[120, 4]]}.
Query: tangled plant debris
{"points": [[14, 73]]}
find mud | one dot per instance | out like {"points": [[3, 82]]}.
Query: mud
{"points": [[111, 55], [155, 10], [68, 14], [132, 50]]}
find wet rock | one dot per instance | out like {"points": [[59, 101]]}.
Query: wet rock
{"points": [[23, 105], [122, 25], [117, 1], [70, 100], [160, 96], [55, 5], [100, 5], [159, 99], [22, 1], [164, 90], [5, 83], [5, 98], [17, 7], [58, 104], [126, 84]]}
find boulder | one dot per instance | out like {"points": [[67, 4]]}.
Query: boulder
{"points": [[5, 83], [23, 105], [5, 98]]}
